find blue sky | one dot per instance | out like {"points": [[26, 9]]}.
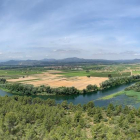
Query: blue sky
{"points": [[95, 29]]}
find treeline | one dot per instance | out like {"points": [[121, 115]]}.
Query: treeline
{"points": [[112, 82], [27, 118], [134, 87], [23, 89], [44, 90], [90, 88], [2, 81]]}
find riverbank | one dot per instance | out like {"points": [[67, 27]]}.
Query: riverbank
{"points": [[22, 89], [81, 98], [130, 93], [19, 93]]}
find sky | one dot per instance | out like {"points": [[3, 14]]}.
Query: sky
{"points": [[91, 29]]}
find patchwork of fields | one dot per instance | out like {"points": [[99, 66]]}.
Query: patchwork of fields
{"points": [[68, 76], [16, 73], [57, 80]]}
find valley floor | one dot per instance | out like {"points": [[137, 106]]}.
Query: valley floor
{"points": [[58, 80]]}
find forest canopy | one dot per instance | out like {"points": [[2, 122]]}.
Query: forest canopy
{"points": [[36, 119]]}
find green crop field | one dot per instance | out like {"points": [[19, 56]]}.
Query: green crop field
{"points": [[136, 72], [115, 70], [113, 67], [15, 73], [93, 73]]}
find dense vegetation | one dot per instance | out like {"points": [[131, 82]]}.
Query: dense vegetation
{"points": [[2, 81], [112, 82], [41, 90], [35, 119], [135, 87], [91, 88]]}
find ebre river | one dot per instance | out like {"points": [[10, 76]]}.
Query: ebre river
{"points": [[85, 98]]}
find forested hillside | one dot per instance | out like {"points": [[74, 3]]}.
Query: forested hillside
{"points": [[26, 118]]}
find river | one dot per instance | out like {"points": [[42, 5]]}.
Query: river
{"points": [[83, 99]]}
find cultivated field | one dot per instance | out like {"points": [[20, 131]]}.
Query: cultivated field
{"points": [[56, 79], [77, 76], [19, 72]]}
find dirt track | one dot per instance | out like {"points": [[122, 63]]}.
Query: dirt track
{"points": [[55, 80]]}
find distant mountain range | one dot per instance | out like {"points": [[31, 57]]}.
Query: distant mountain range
{"points": [[66, 61]]}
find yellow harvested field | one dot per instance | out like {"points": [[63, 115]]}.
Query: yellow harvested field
{"points": [[56, 80]]}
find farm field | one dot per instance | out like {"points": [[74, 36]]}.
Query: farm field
{"points": [[94, 73], [77, 76], [57, 80], [16, 73], [136, 72]]}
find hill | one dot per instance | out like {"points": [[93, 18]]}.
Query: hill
{"points": [[73, 60]]}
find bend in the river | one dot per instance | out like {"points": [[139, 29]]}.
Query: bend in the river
{"points": [[81, 99]]}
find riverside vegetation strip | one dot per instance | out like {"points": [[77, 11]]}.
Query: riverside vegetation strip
{"points": [[131, 91]]}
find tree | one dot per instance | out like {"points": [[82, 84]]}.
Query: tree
{"points": [[64, 104], [109, 76], [77, 116], [90, 104], [10, 122], [92, 88]]}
